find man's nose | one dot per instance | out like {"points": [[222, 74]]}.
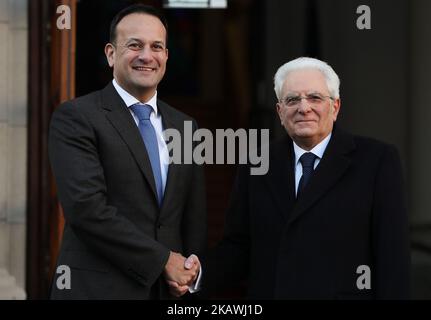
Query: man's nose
{"points": [[145, 53], [304, 105]]}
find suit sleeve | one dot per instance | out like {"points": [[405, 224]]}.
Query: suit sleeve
{"points": [[74, 158], [228, 263], [194, 223], [390, 231]]}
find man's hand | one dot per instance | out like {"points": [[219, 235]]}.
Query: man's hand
{"points": [[180, 270], [191, 263], [176, 290]]}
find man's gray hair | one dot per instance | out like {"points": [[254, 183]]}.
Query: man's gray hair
{"points": [[332, 80]]}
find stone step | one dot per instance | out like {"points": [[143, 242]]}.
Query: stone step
{"points": [[8, 288], [12, 293]]}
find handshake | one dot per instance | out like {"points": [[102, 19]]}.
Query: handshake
{"points": [[180, 273]]}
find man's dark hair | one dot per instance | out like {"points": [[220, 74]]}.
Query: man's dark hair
{"points": [[135, 8]]}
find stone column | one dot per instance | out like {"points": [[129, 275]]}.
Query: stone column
{"points": [[13, 146]]}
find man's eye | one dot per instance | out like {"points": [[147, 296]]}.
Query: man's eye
{"points": [[315, 98], [158, 47], [134, 46], [292, 100]]}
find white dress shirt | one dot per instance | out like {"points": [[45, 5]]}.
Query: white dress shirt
{"points": [[318, 150], [156, 121]]}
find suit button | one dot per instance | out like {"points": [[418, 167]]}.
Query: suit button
{"points": [[159, 225]]}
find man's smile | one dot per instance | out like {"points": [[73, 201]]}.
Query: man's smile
{"points": [[145, 69], [305, 121]]}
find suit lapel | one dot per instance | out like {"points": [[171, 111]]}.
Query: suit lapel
{"points": [[280, 177], [331, 168], [123, 122]]}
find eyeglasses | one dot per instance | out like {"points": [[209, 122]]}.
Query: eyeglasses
{"points": [[139, 46], [312, 99]]}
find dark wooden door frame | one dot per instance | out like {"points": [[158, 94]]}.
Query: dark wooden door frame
{"points": [[50, 81], [38, 187]]}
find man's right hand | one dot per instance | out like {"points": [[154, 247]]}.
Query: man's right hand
{"points": [[178, 270], [178, 290]]}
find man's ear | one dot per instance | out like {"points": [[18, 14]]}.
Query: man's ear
{"points": [[110, 54], [279, 112], [336, 105]]}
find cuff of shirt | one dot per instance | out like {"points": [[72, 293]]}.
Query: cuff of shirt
{"points": [[195, 287]]}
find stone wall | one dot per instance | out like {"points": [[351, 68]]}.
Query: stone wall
{"points": [[13, 146]]}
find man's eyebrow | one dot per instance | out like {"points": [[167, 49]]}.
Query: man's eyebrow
{"points": [[290, 94], [133, 39], [140, 41]]}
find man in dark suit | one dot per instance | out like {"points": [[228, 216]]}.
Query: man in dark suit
{"points": [[328, 220], [131, 218]]}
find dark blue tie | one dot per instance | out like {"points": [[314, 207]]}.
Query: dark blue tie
{"points": [[307, 161], [143, 111]]}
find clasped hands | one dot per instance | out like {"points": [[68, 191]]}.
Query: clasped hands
{"points": [[180, 273]]}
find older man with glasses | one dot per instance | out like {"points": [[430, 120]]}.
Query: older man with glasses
{"points": [[328, 220]]}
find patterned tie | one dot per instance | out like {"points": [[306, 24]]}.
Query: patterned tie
{"points": [[307, 161], [143, 111]]}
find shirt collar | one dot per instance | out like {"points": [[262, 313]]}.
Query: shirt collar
{"points": [[130, 100], [318, 150]]}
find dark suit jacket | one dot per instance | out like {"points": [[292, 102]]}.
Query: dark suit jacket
{"points": [[116, 238], [351, 213]]}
